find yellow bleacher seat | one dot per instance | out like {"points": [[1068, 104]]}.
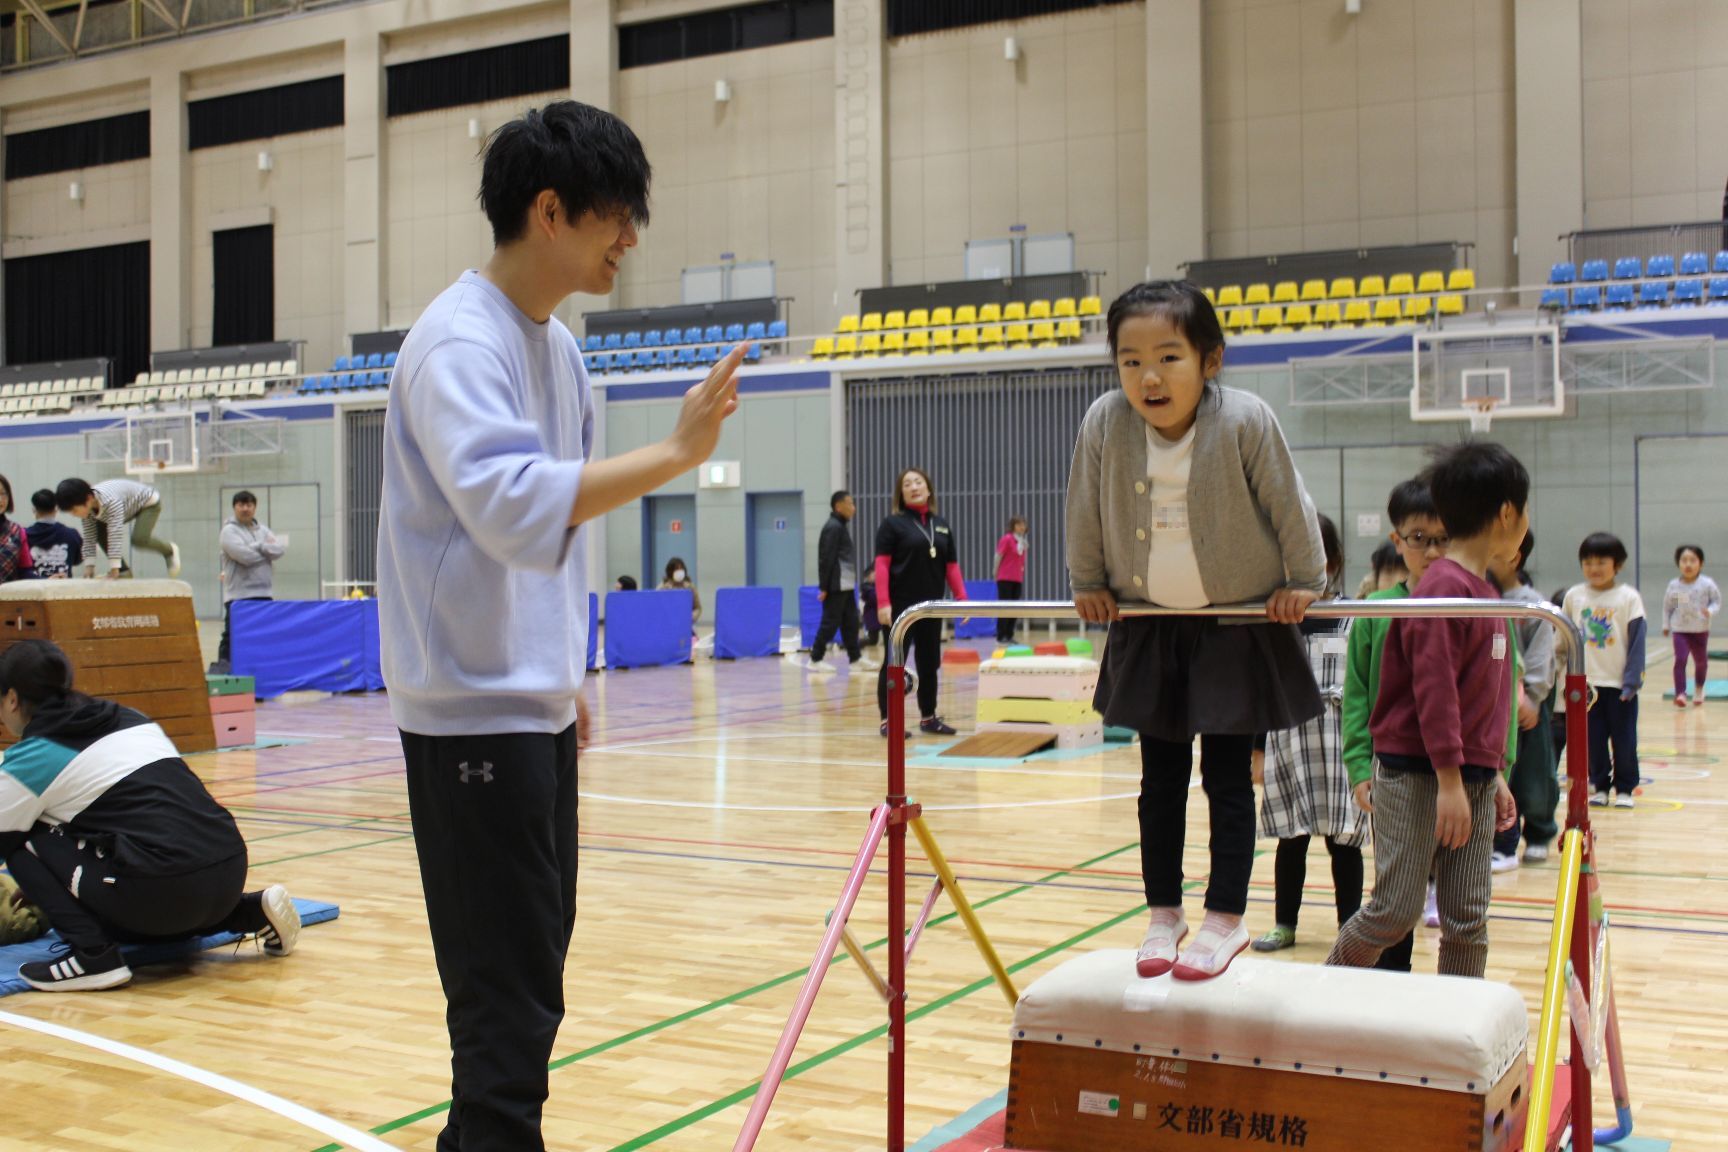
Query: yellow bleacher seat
{"points": [[1044, 334], [1343, 288], [1387, 309], [847, 324], [1461, 280], [1014, 310], [942, 340], [1257, 294], [1091, 306], [966, 340], [1239, 319], [1451, 305], [918, 318], [1065, 307], [823, 348], [1297, 314], [1285, 292], [1211, 295], [1418, 307], [1313, 289], [1038, 310], [990, 337], [1068, 330], [1371, 286], [918, 343], [893, 342], [1431, 282], [989, 313], [894, 319], [1329, 313], [845, 347], [872, 322], [1402, 284], [966, 314], [1230, 296], [1019, 336], [941, 317], [1358, 312], [1269, 316], [871, 344]]}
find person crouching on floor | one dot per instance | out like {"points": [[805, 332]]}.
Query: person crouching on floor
{"points": [[109, 833]]}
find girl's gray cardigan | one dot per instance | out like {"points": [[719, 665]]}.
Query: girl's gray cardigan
{"points": [[1252, 523]]}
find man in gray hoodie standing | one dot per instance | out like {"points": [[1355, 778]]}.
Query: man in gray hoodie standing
{"points": [[249, 549]]}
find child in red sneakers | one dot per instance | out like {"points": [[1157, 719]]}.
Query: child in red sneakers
{"points": [[109, 833], [1439, 726], [1183, 494]]}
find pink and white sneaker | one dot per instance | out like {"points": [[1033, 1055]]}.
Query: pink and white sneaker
{"points": [[1221, 939], [1680, 700], [1157, 953]]}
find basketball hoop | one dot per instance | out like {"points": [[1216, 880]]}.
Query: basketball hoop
{"points": [[1481, 410]]}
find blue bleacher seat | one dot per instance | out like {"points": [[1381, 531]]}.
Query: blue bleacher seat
{"points": [[753, 353], [1586, 296], [1694, 264], [663, 359], [777, 330], [612, 342], [600, 362], [756, 331], [1659, 266], [708, 354], [1689, 292], [685, 357], [379, 379], [714, 334], [692, 335], [1619, 295], [1721, 262], [734, 333], [591, 343], [632, 339], [1563, 273], [341, 364], [376, 360], [1628, 268], [1719, 290], [1652, 294], [1594, 270], [389, 359], [651, 338], [1554, 298]]}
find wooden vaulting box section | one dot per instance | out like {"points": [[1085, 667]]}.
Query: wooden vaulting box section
{"points": [[131, 641]]}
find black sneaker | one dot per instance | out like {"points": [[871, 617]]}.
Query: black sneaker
{"points": [[74, 972], [933, 726]]}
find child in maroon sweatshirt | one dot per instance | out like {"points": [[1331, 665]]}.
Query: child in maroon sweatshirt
{"points": [[1439, 726]]}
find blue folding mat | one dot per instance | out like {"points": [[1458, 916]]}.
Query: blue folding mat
{"points": [[321, 645], [978, 626], [140, 955], [645, 629], [747, 622]]}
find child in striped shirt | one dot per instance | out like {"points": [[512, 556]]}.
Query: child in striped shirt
{"points": [[105, 509]]}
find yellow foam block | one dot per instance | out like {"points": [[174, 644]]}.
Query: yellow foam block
{"points": [[1013, 710]]}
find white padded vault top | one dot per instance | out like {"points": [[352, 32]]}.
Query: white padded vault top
{"points": [[1440, 1031], [95, 590]]}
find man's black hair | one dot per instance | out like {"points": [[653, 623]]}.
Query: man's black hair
{"points": [[71, 492], [1471, 482], [1603, 544], [590, 158], [243, 497], [1409, 498], [834, 500]]}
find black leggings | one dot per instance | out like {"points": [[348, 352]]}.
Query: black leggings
{"points": [[1165, 768], [925, 637], [1291, 873], [112, 908]]}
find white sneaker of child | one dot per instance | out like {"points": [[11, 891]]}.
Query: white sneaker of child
{"points": [[1164, 935], [1221, 938]]}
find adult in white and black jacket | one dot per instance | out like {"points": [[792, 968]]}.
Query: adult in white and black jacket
{"points": [[916, 555], [837, 581], [109, 833]]}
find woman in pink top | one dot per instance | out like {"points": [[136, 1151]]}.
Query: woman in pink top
{"points": [[1010, 572]]}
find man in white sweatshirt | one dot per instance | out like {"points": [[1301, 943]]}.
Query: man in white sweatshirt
{"points": [[489, 481]]}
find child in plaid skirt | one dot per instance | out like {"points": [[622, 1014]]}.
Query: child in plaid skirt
{"points": [[1307, 790]]}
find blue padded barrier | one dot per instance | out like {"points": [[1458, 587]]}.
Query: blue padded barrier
{"points": [[293, 645], [645, 629], [977, 626], [747, 622]]}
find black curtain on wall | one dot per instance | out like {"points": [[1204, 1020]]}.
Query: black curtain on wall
{"points": [[522, 69], [82, 145], [89, 302], [910, 17], [245, 273], [265, 113]]}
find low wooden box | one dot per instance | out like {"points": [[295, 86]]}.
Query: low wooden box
{"points": [[1269, 1054]]}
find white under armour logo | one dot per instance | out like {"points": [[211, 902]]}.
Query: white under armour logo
{"points": [[484, 771]]}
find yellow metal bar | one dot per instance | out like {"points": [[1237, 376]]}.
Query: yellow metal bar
{"points": [[961, 905], [1554, 1000]]}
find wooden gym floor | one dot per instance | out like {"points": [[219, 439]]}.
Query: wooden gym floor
{"points": [[722, 805]]}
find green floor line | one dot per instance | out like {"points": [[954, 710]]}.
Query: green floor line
{"points": [[735, 997], [328, 851]]}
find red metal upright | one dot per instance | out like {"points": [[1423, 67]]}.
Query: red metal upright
{"points": [[1578, 816], [896, 901]]}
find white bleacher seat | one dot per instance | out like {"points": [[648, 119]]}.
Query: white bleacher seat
{"points": [[143, 378], [291, 368], [230, 371], [273, 369], [158, 377], [200, 374], [256, 388], [225, 389]]}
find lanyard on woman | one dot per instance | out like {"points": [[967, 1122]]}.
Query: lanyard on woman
{"points": [[929, 536]]}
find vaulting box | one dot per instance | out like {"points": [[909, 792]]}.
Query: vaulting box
{"points": [[131, 641], [1268, 1054], [1052, 694]]}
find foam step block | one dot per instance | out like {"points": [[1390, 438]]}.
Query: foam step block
{"points": [[1021, 711]]}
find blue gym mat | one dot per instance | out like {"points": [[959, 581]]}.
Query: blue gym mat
{"points": [[1713, 689], [139, 955]]}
